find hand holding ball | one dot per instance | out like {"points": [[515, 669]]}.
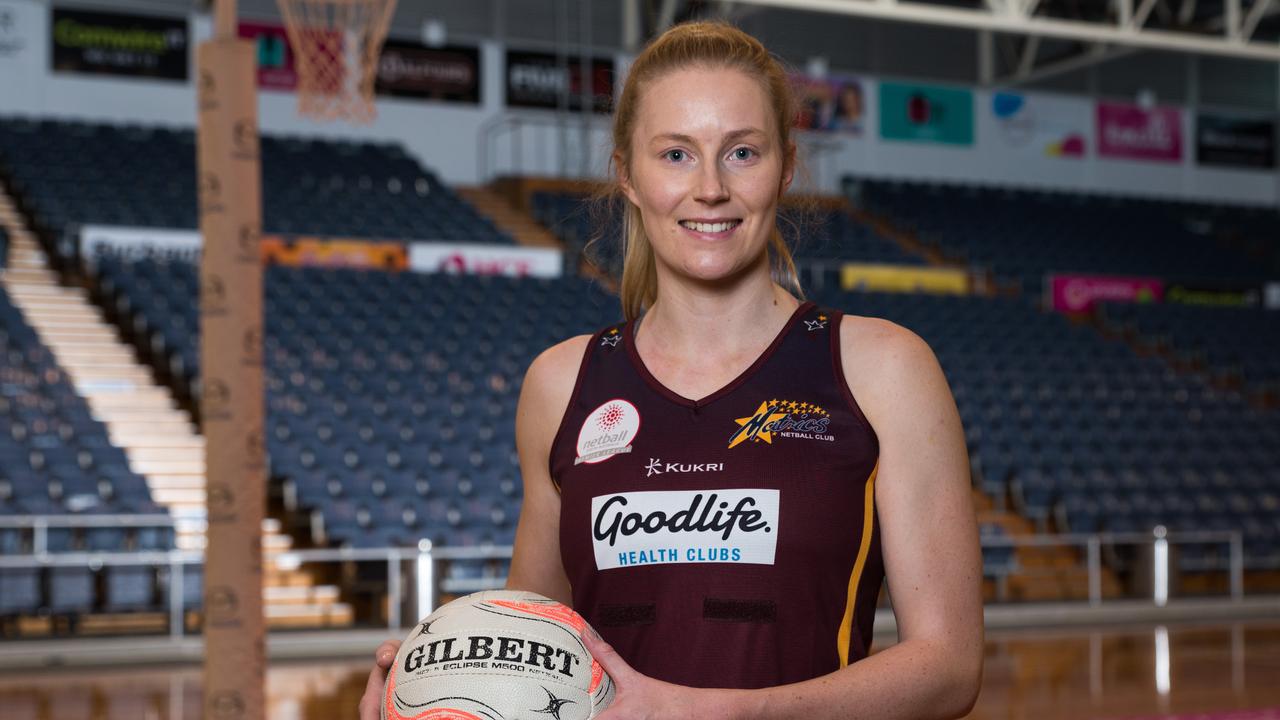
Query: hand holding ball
{"points": [[497, 655]]}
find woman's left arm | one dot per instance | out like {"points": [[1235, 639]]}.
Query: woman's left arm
{"points": [[932, 561]]}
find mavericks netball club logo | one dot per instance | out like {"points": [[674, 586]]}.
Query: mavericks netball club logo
{"points": [[607, 431], [783, 418]]}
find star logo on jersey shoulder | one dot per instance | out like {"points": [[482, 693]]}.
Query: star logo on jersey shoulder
{"points": [[818, 324], [611, 338], [553, 705]]}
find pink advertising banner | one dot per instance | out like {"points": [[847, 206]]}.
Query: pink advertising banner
{"points": [[1079, 293], [1130, 131]]}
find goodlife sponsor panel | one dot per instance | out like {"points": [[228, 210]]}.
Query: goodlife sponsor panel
{"points": [[424, 257]]}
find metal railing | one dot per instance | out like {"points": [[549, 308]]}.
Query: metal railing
{"points": [[420, 573]]}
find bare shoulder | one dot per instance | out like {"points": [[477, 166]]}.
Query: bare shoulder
{"points": [[886, 364], [550, 379]]}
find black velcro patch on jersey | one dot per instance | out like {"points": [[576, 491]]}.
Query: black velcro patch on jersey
{"points": [[756, 611], [622, 615]]}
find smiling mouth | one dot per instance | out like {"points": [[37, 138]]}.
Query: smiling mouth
{"points": [[714, 227]]}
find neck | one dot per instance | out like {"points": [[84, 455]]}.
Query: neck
{"points": [[691, 320]]}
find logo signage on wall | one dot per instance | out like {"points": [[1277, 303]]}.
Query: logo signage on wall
{"points": [[451, 74], [1136, 133], [834, 104], [924, 113], [1079, 293], [1212, 295], [1033, 122], [114, 44], [537, 80], [276, 69], [1235, 142], [15, 29], [903, 278], [469, 259], [334, 253], [99, 238]]}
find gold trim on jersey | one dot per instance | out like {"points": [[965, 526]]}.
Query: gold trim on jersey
{"points": [[844, 637]]}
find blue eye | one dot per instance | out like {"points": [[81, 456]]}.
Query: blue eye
{"points": [[675, 155], [743, 153]]}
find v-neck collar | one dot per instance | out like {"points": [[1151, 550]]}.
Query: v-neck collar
{"points": [[732, 384]]}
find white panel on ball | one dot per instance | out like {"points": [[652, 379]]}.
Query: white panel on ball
{"points": [[497, 655]]}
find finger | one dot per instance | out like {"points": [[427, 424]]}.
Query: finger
{"points": [[371, 703], [608, 658], [386, 653]]}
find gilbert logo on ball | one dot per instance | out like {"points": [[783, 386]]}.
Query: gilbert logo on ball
{"points": [[497, 655]]}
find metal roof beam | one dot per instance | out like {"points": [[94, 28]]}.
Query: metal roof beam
{"points": [[1011, 22]]}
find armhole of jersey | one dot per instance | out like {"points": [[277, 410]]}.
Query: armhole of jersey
{"points": [[837, 366], [577, 385]]}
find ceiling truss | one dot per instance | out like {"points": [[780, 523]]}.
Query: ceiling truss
{"points": [[1127, 26]]}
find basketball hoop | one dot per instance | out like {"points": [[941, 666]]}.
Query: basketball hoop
{"points": [[337, 44]]}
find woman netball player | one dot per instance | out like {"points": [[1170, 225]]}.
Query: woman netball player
{"points": [[721, 484]]}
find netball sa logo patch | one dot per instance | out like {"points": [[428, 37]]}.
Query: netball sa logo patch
{"points": [[609, 430], [783, 418]]}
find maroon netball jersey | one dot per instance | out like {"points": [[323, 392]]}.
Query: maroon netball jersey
{"points": [[729, 541]]}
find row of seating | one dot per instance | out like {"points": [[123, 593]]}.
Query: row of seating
{"points": [[1023, 234], [55, 457], [407, 432], [69, 173], [1231, 342], [817, 236]]}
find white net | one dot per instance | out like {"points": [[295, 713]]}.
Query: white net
{"points": [[337, 44]]}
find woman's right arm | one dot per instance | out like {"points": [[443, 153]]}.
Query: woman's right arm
{"points": [[536, 566], [548, 387]]}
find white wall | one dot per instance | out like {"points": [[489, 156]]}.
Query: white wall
{"points": [[446, 137]]}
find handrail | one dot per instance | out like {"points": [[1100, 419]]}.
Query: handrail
{"points": [[495, 127], [425, 577], [102, 520]]}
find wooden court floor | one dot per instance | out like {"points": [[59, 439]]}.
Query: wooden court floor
{"points": [[1211, 672]]}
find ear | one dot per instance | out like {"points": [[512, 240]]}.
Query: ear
{"points": [[788, 169], [623, 174]]}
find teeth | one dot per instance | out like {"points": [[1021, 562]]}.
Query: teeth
{"points": [[709, 227]]}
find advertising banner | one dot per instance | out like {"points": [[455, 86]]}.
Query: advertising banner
{"points": [[903, 278], [1136, 133], [1212, 295], [100, 238], [276, 69], [114, 44], [1043, 125], [334, 253], [536, 80], [834, 104], [451, 74], [1235, 142], [924, 113], [1079, 293], [468, 259]]}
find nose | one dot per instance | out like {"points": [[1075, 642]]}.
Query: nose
{"points": [[711, 188]]}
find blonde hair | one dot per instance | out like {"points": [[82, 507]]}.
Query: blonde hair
{"points": [[694, 44]]}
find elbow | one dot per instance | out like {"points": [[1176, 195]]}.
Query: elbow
{"points": [[965, 683]]}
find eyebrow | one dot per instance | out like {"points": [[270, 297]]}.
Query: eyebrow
{"points": [[730, 137]]}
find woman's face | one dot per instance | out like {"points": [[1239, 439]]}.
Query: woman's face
{"points": [[706, 172]]}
